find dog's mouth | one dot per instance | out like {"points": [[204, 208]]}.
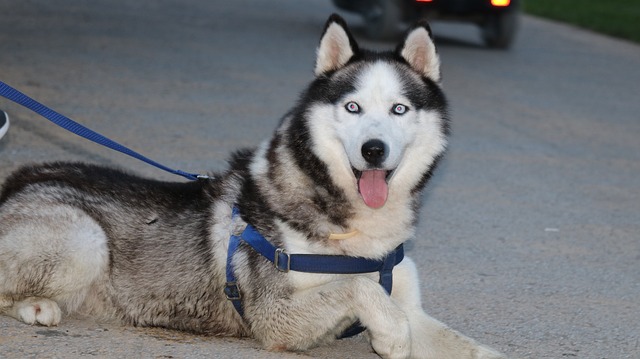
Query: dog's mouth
{"points": [[373, 186]]}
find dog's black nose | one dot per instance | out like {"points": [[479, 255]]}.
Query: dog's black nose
{"points": [[374, 152]]}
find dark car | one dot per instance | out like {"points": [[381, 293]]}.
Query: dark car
{"points": [[498, 19]]}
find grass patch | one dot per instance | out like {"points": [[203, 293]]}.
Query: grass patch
{"points": [[619, 18]]}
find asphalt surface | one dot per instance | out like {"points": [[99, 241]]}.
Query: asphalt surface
{"points": [[529, 236]]}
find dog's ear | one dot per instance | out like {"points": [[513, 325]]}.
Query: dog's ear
{"points": [[419, 51], [337, 46]]}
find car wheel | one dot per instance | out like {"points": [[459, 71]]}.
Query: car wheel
{"points": [[382, 19], [499, 30]]}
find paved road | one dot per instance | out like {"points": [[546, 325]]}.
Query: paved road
{"points": [[530, 232]]}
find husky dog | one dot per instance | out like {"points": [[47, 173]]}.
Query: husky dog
{"points": [[341, 175]]}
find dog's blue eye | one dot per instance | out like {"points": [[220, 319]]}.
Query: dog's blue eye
{"points": [[352, 107], [399, 109]]}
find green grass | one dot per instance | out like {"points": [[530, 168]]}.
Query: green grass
{"points": [[619, 18]]}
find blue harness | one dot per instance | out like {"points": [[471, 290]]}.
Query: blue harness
{"points": [[308, 263]]}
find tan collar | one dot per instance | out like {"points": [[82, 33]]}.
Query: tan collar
{"points": [[339, 236]]}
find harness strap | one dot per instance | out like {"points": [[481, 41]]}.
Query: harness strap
{"points": [[231, 289], [308, 263], [68, 124], [318, 263]]}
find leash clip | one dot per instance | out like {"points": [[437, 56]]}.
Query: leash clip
{"points": [[281, 253]]}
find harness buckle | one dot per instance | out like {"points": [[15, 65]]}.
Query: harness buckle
{"points": [[232, 291], [281, 255]]}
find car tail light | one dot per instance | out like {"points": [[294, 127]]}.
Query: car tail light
{"points": [[424, 0], [500, 3]]}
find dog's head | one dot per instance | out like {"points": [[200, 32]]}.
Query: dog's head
{"points": [[360, 144], [377, 120]]}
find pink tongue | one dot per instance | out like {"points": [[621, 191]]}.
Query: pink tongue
{"points": [[373, 188]]}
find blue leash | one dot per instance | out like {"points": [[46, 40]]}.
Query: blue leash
{"points": [[68, 124]]}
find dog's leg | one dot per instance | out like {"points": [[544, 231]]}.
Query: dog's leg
{"points": [[319, 314], [429, 337], [48, 259]]}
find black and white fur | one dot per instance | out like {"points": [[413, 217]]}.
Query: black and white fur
{"points": [[83, 238]]}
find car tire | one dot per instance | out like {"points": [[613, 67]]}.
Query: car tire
{"points": [[382, 19], [499, 30]]}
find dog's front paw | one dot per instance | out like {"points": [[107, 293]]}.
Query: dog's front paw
{"points": [[395, 342], [37, 311]]}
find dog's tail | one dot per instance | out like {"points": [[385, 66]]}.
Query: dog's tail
{"points": [[4, 123]]}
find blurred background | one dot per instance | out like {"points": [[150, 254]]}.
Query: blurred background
{"points": [[497, 20], [529, 237]]}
